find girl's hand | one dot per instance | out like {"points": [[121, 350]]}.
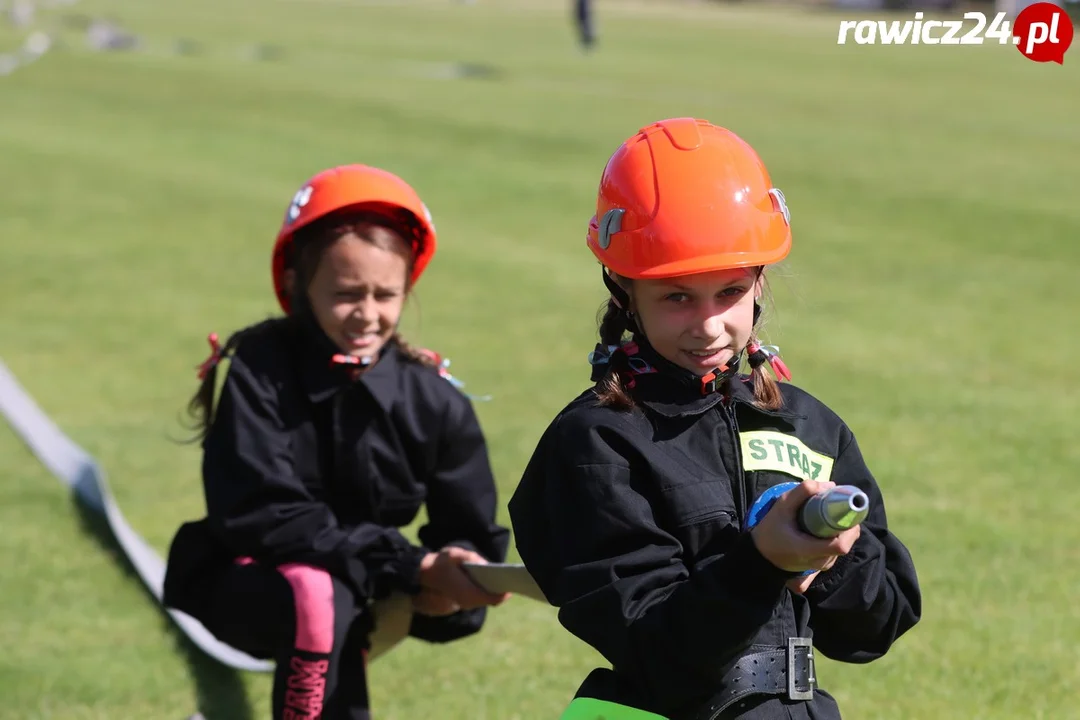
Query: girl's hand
{"points": [[779, 539], [442, 572]]}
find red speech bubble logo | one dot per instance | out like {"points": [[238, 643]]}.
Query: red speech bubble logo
{"points": [[1043, 32]]}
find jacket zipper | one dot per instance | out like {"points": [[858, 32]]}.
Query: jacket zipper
{"points": [[733, 426]]}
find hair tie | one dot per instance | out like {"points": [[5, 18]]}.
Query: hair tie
{"points": [[215, 356], [602, 354], [621, 359], [760, 354]]}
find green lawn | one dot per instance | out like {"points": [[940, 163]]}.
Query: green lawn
{"points": [[931, 299]]}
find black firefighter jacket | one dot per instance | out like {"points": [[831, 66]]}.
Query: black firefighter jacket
{"points": [[631, 523], [304, 464]]}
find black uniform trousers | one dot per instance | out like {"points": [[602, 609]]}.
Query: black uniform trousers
{"points": [[307, 621]]}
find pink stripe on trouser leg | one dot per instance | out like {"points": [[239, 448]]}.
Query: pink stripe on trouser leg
{"points": [[313, 596]]}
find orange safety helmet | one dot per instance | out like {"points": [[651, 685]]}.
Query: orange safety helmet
{"points": [[684, 196], [354, 187]]}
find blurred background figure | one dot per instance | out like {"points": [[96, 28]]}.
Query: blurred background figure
{"points": [[586, 26]]}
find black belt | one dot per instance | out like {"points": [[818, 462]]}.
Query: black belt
{"points": [[777, 671]]}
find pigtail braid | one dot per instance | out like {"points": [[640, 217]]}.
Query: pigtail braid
{"points": [[767, 393], [201, 406], [610, 389]]}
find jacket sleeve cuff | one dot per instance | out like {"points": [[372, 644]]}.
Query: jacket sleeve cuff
{"points": [[446, 629], [405, 570]]}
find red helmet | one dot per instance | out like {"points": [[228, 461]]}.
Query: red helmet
{"points": [[683, 196], [362, 188]]}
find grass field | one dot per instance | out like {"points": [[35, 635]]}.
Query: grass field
{"points": [[931, 298]]}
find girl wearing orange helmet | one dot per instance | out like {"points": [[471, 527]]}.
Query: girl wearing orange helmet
{"points": [[636, 514], [329, 435]]}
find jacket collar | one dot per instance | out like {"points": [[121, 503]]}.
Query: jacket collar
{"points": [[741, 392], [658, 383], [322, 377]]}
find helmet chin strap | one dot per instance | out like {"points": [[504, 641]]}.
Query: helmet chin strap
{"points": [[621, 299]]}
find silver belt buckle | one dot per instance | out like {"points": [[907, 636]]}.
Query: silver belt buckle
{"points": [[793, 692]]}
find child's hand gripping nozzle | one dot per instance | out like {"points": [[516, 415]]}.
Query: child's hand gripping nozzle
{"points": [[824, 515]]}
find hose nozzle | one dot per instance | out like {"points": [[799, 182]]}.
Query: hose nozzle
{"points": [[830, 513]]}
